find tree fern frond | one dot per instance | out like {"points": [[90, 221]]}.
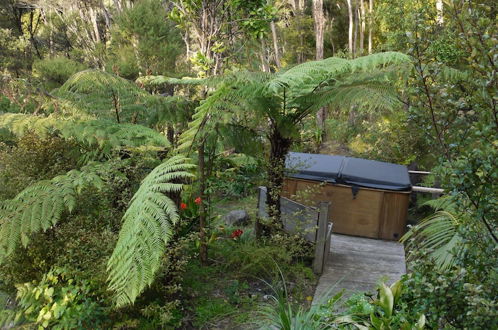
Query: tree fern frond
{"points": [[40, 206], [102, 134], [379, 60], [147, 227], [105, 96], [438, 233]]}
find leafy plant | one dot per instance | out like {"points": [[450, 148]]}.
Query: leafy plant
{"points": [[103, 95], [55, 71], [40, 206], [102, 135], [383, 313], [147, 227], [55, 302], [439, 233]]}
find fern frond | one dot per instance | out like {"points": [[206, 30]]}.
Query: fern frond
{"points": [[171, 110], [379, 60], [40, 206], [147, 227], [105, 96], [101, 134], [438, 234]]}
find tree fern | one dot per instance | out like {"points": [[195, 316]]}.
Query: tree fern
{"points": [[102, 134], [41, 205], [147, 227], [439, 233], [276, 103], [105, 96]]}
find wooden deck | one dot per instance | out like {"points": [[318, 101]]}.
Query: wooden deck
{"points": [[357, 264]]}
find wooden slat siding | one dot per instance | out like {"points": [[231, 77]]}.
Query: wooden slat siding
{"points": [[321, 237], [367, 215], [393, 216]]}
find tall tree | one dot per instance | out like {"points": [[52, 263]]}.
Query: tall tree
{"points": [[319, 19], [370, 25], [351, 28]]}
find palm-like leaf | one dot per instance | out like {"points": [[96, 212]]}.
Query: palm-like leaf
{"points": [[147, 228], [40, 206], [103, 134], [438, 234], [287, 97], [101, 94]]}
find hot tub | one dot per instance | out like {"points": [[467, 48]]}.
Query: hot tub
{"points": [[368, 198]]}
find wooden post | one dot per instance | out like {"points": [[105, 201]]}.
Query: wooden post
{"points": [[321, 235]]}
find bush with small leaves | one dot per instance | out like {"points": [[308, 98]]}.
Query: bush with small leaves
{"points": [[56, 302]]}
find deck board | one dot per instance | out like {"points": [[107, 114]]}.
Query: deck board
{"points": [[357, 264]]}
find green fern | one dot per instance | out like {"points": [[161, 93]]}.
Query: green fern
{"points": [[41, 205], [104, 95], [286, 97], [147, 228], [439, 233], [102, 134]]}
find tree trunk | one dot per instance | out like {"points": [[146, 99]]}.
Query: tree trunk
{"points": [[265, 66], [439, 9], [350, 31], [319, 20], [370, 25], [203, 253], [279, 148], [275, 43], [362, 27], [319, 27], [356, 13]]}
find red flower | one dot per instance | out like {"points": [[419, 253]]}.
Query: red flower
{"points": [[236, 233], [183, 206], [198, 201]]}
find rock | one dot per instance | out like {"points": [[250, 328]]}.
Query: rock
{"points": [[236, 218]]}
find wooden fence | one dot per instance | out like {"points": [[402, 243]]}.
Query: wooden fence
{"points": [[309, 222]]}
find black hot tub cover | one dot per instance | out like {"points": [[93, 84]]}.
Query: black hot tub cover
{"points": [[348, 170]]}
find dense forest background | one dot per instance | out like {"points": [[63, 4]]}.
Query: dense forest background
{"points": [[128, 128]]}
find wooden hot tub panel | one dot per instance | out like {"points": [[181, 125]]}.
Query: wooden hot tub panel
{"points": [[372, 213]]}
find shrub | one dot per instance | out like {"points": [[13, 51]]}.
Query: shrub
{"points": [[463, 296], [55, 71], [33, 159], [57, 302]]}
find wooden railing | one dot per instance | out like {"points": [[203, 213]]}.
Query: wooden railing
{"points": [[311, 223]]}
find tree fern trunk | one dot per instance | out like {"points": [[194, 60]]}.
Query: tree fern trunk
{"points": [[279, 148], [203, 253]]}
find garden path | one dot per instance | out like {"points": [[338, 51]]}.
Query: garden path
{"points": [[356, 264]]}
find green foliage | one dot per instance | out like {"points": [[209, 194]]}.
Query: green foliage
{"points": [[462, 296], [33, 158], [103, 135], [287, 97], [14, 54], [439, 233], [147, 227], [385, 312], [55, 71], [41, 205], [144, 41], [104, 95], [55, 302], [236, 176]]}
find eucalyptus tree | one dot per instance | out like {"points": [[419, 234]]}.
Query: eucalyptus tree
{"points": [[276, 104]]}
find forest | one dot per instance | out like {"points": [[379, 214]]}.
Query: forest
{"points": [[134, 135]]}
